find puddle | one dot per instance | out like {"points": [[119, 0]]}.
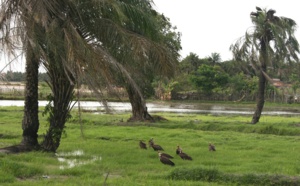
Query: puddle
{"points": [[70, 160], [74, 153]]}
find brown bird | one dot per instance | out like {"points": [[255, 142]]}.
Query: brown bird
{"points": [[211, 147], [178, 149], [154, 146], [165, 160], [143, 145], [184, 156], [166, 155]]}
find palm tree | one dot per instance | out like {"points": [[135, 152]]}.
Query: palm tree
{"points": [[62, 84], [14, 20], [74, 38], [30, 123], [157, 56], [214, 58], [270, 39]]}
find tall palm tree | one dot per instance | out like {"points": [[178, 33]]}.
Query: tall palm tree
{"points": [[82, 38], [30, 123], [159, 52], [14, 19], [270, 39]]}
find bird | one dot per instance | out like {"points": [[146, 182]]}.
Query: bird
{"points": [[178, 149], [166, 155], [184, 156], [211, 147], [143, 145], [154, 146], [165, 160]]}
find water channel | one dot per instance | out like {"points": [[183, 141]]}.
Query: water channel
{"points": [[121, 107]]}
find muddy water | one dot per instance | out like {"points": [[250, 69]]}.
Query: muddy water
{"points": [[172, 107]]}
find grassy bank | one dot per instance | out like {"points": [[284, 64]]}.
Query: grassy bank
{"points": [[107, 151]]}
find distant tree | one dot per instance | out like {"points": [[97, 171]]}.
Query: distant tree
{"points": [[191, 63], [295, 80], [15, 76], [242, 84], [271, 39], [233, 67], [43, 77], [214, 58], [207, 78]]}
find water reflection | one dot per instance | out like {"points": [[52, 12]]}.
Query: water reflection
{"points": [[121, 107]]}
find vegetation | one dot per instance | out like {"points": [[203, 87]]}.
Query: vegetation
{"points": [[108, 151], [87, 41], [12, 76], [208, 78], [271, 42]]}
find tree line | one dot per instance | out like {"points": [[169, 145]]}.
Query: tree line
{"points": [[210, 77], [20, 76]]}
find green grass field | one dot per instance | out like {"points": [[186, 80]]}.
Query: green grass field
{"points": [[106, 151]]}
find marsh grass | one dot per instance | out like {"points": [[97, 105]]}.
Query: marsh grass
{"points": [[262, 154]]}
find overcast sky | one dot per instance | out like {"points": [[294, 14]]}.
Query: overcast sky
{"points": [[212, 26]]}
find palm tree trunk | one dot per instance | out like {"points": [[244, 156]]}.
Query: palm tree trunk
{"points": [[139, 109], [260, 98], [30, 123], [62, 87], [261, 82]]}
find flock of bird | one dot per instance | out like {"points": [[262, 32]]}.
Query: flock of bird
{"points": [[166, 158]]}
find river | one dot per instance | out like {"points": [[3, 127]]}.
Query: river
{"points": [[170, 107]]}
